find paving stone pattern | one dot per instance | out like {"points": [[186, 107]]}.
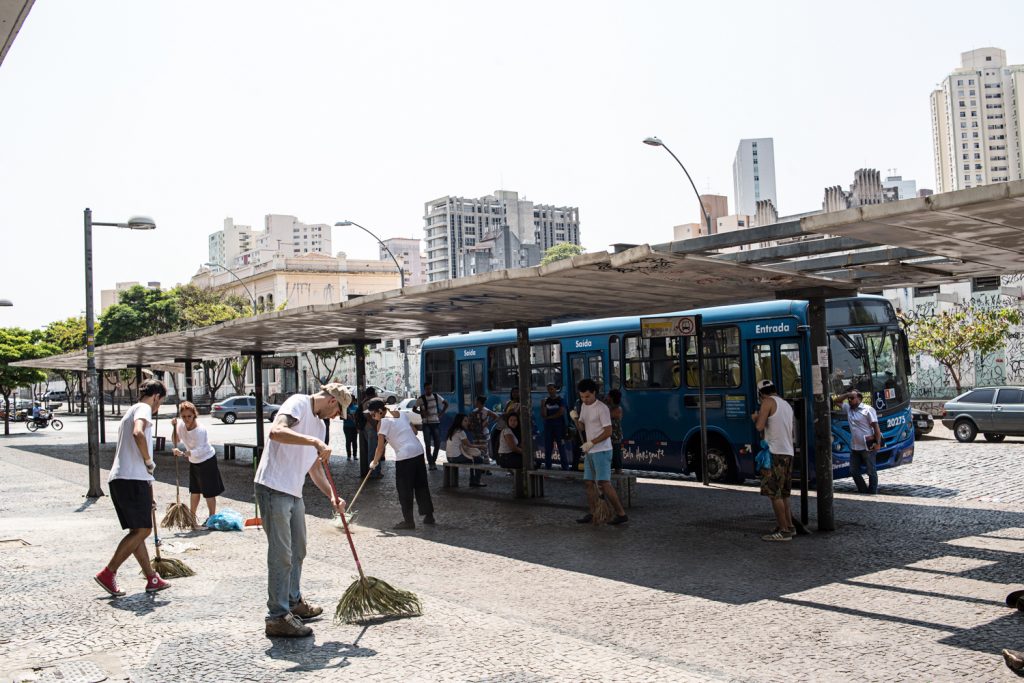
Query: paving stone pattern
{"points": [[909, 588]]}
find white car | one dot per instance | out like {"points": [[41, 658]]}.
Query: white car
{"points": [[405, 406]]}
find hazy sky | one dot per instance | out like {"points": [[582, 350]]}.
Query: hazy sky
{"points": [[194, 111]]}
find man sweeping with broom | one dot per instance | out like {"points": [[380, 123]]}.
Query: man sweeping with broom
{"points": [[131, 489], [296, 448]]}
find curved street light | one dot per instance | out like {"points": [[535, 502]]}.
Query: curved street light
{"points": [[92, 379], [235, 275], [401, 280], [6, 302], [656, 142]]}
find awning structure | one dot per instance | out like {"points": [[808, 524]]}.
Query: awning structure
{"points": [[12, 16], [639, 280]]}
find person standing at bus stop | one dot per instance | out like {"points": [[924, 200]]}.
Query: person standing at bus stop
{"points": [[430, 407], [595, 420], [865, 439], [774, 417], [552, 409]]}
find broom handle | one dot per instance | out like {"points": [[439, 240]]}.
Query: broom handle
{"points": [[360, 489], [344, 522], [156, 537]]}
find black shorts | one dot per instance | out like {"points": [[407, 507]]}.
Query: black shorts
{"points": [[204, 478], [133, 502]]}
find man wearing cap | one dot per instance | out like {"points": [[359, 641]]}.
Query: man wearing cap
{"points": [[296, 448], [775, 419], [410, 465]]}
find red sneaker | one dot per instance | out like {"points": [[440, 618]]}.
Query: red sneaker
{"points": [[155, 584], [108, 581]]}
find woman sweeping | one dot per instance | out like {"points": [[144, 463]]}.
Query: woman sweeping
{"points": [[410, 462], [203, 474]]}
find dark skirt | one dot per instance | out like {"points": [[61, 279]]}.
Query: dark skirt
{"points": [[133, 502], [205, 478]]}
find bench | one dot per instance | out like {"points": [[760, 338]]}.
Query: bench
{"points": [[451, 474], [229, 450], [623, 483]]}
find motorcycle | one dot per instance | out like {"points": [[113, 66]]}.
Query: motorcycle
{"points": [[43, 421]]}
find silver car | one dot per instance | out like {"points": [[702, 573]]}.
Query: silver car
{"points": [[996, 412], [231, 409]]}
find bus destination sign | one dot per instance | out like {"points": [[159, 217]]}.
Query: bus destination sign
{"points": [[677, 326]]}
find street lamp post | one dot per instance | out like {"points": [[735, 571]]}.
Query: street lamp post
{"points": [[6, 302], [401, 280], [699, 339], [91, 379], [244, 286]]}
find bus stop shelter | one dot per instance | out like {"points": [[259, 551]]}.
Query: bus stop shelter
{"points": [[947, 237]]}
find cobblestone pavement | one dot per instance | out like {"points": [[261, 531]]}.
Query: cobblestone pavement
{"points": [[909, 588]]}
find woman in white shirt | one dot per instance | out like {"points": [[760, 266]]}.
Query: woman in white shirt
{"points": [[458, 448], [203, 474], [510, 453]]}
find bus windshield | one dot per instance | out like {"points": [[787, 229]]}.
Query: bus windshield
{"points": [[869, 362]]}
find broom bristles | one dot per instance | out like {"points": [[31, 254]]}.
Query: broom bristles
{"points": [[603, 511], [169, 568], [178, 516], [371, 597]]}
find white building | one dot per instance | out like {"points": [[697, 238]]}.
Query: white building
{"points": [[976, 125], [407, 251], [905, 189], [109, 297], [753, 175], [238, 245], [468, 236]]}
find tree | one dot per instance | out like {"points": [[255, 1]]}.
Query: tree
{"points": [[139, 312], [954, 336], [238, 367], [17, 344], [198, 307], [68, 336], [325, 363], [560, 251], [215, 373]]}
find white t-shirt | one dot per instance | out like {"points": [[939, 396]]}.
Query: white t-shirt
{"points": [[401, 437], [778, 431], [594, 419], [284, 466], [197, 443], [453, 448], [128, 462], [503, 446], [860, 424]]}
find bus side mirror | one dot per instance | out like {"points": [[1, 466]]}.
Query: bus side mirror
{"points": [[905, 344]]}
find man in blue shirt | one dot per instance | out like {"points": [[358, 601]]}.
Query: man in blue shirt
{"points": [[552, 409]]}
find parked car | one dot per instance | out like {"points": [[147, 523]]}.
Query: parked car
{"points": [[923, 423], [996, 412], [405, 406], [236, 407]]}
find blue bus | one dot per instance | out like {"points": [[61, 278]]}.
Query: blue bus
{"points": [[659, 379]]}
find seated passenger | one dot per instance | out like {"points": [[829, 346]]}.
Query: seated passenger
{"points": [[459, 449]]}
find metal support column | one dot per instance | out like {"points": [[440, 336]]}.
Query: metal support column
{"points": [[257, 367], [138, 383], [525, 411], [822, 415], [364, 444], [102, 415], [188, 380]]}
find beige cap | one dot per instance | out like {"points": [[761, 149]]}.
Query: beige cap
{"points": [[339, 392]]}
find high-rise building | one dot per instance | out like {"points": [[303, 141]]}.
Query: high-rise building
{"points": [[976, 124], [906, 189], [753, 175], [866, 189], [407, 251], [239, 245], [469, 236]]}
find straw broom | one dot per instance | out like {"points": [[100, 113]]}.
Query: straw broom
{"points": [[167, 567], [603, 511], [178, 515], [368, 596]]}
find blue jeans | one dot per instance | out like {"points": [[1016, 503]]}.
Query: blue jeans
{"points": [[474, 474], [432, 436], [371, 447], [555, 434], [867, 458], [284, 520]]}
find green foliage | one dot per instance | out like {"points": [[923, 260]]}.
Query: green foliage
{"points": [[17, 344], [954, 336], [561, 251], [142, 312], [67, 335]]}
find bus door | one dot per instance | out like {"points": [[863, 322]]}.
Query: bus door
{"points": [[779, 360], [471, 384], [584, 365]]}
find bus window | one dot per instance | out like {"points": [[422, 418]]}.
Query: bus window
{"points": [[652, 363], [721, 358], [762, 359], [546, 365], [502, 369], [792, 383], [439, 370], [615, 355]]}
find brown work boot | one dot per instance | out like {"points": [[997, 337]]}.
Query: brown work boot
{"points": [[287, 626], [306, 610], [1014, 661]]}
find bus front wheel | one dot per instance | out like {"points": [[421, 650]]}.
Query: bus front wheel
{"points": [[721, 465]]}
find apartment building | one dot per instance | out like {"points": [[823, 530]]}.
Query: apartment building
{"points": [[407, 251], [753, 174], [282, 235]]}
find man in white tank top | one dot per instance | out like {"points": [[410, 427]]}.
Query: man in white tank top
{"points": [[775, 419]]}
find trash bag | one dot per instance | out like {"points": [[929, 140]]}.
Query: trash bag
{"points": [[763, 460], [226, 520]]}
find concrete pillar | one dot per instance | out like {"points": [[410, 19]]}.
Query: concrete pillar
{"points": [[525, 411], [822, 415], [364, 444]]}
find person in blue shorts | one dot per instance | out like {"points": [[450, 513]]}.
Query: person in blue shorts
{"points": [[595, 420]]}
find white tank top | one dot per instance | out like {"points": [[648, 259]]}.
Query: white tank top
{"points": [[779, 430]]}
